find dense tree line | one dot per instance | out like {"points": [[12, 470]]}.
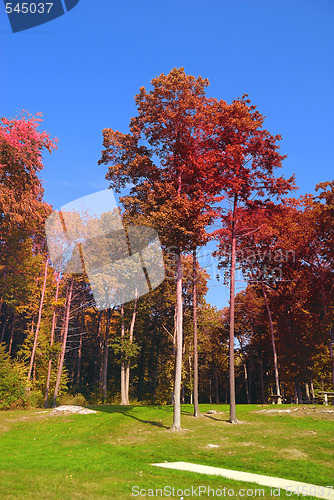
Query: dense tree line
{"points": [[195, 164]]}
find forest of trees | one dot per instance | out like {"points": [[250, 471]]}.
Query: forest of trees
{"points": [[201, 170]]}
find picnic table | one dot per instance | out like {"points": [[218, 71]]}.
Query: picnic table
{"points": [[325, 395]]}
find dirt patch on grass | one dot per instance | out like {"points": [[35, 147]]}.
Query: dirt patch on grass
{"points": [[293, 454], [325, 412], [247, 443]]}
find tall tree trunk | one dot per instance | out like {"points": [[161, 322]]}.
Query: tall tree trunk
{"points": [[298, 392], [262, 382], [197, 412], [132, 326], [233, 414], [157, 364], [246, 378], [61, 337], [332, 359], [11, 335], [312, 391], [98, 353], [245, 368], [105, 358], [63, 349], [278, 393], [51, 344], [217, 384], [141, 371], [102, 348], [191, 378], [124, 400], [38, 321], [156, 374], [250, 374], [79, 361], [307, 392], [178, 359], [3, 329]]}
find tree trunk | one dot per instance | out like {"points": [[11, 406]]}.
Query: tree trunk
{"points": [[262, 382], [178, 359], [312, 391], [197, 412], [250, 374], [278, 393], [98, 354], [132, 326], [12, 335], [105, 358], [307, 392], [245, 368], [79, 361], [141, 371], [332, 359], [298, 392], [124, 400], [233, 415], [3, 329], [51, 344], [217, 385], [38, 321], [246, 378], [156, 373], [191, 379], [63, 349]]}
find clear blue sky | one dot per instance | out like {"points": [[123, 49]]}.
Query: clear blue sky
{"points": [[83, 69]]}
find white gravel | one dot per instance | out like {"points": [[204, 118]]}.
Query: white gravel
{"points": [[68, 409]]}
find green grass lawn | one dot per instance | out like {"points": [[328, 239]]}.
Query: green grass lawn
{"points": [[105, 455]]}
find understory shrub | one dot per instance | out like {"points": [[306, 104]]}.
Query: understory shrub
{"points": [[76, 399], [13, 392]]}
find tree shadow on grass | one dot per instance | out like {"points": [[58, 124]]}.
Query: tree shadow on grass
{"points": [[127, 411], [215, 418]]}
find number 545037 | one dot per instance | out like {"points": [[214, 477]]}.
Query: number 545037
{"points": [[28, 8]]}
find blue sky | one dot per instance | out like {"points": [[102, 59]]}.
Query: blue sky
{"points": [[83, 69]]}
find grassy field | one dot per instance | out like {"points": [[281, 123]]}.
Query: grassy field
{"points": [[108, 454]]}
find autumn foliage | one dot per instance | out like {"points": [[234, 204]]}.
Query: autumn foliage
{"points": [[199, 169]]}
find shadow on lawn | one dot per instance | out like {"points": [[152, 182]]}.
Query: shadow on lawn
{"points": [[127, 411], [216, 419]]}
